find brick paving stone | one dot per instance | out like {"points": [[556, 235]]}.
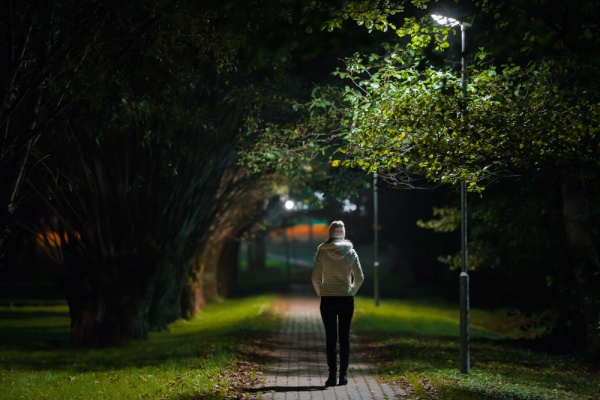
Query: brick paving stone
{"points": [[298, 368]]}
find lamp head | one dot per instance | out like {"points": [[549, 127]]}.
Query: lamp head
{"points": [[449, 21], [445, 21]]}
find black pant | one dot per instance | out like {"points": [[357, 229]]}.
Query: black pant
{"points": [[337, 311]]}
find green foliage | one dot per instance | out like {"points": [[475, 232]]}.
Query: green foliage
{"points": [[293, 141], [402, 114], [201, 358], [538, 28], [406, 117], [448, 220], [373, 15], [402, 18]]}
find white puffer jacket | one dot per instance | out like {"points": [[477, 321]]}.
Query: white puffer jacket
{"points": [[336, 270]]}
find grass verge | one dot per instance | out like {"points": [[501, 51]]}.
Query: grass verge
{"points": [[209, 357], [415, 343]]}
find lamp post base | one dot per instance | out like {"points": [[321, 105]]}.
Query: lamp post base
{"points": [[465, 363]]}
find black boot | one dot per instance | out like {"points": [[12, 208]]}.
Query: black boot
{"points": [[343, 379], [331, 380]]}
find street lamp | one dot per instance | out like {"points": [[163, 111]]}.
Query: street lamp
{"points": [[289, 205], [464, 276]]}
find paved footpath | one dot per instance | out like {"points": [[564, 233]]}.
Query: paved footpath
{"points": [[298, 368]]}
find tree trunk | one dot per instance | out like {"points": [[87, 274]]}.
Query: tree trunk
{"points": [[586, 264], [165, 299], [257, 253], [228, 267], [211, 278], [104, 313], [192, 296]]}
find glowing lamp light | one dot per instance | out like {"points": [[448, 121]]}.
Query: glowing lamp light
{"points": [[445, 21]]}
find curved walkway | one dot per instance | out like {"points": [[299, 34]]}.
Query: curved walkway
{"points": [[298, 368]]}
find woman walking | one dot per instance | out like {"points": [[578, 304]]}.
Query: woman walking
{"points": [[337, 276]]}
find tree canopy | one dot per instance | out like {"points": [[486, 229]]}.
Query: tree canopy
{"points": [[531, 107]]}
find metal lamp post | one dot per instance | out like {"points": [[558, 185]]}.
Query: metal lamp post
{"points": [[375, 240], [465, 364]]}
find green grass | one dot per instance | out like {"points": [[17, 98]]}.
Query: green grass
{"points": [[416, 343], [201, 358]]}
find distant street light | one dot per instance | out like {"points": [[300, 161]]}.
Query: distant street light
{"points": [[465, 366], [289, 205]]}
